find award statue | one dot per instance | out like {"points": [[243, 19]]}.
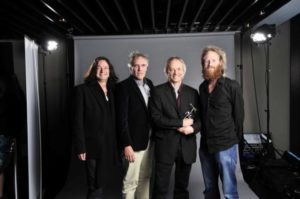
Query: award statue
{"points": [[189, 113]]}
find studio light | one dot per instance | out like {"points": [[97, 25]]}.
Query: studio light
{"points": [[52, 45], [262, 36], [263, 33]]}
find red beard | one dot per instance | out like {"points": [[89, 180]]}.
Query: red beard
{"points": [[212, 73]]}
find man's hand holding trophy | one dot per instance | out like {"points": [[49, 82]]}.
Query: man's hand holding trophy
{"points": [[188, 121]]}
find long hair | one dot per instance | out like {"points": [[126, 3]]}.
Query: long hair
{"points": [[217, 50], [91, 74]]}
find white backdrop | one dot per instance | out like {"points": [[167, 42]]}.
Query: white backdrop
{"points": [[33, 120]]}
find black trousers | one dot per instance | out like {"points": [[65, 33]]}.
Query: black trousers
{"points": [[162, 178], [95, 185]]}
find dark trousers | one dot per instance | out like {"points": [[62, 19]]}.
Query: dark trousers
{"points": [[162, 178], [95, 186]]}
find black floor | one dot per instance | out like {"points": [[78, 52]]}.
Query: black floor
{"points": [[272, 178], [269, 178], [75, 186]]}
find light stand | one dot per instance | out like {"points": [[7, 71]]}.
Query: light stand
{"points": [[240, 66], [51, 46], [268, 70], [44, 53], [268, 85], [262, 36], [268, 139]]}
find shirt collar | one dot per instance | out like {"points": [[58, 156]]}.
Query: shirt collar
{"points": [[221, 80], [176, 90], [140, 82]]}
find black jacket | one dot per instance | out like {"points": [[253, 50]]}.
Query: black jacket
{"points": [[133, 118], [94, 122], [167, 118]]}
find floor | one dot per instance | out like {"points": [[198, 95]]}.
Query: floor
{"points": [[272, 178], [75, 186], [260, 175]]}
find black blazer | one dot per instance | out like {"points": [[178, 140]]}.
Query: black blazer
{"points": [[133, 118], [167, 118], [94, 122]]}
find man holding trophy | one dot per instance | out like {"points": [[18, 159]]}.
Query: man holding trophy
{"points": [[173, 107]]}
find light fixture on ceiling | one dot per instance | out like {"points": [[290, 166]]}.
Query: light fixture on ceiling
{"points": [[62, 20], [52, 45], [262, 13], [263, 33]]}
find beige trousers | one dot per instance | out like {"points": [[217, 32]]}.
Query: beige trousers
{"points": [[136, 183]]}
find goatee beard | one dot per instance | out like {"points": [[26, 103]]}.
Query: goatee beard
{"points": [[209, 74]]}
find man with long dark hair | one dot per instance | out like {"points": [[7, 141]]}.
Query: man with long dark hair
{"points": [[94, 125]]}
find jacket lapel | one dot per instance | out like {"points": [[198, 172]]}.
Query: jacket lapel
{"points": [[184, 101], [170, 96], [97, 92]]}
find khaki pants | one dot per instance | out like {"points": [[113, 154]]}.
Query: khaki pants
{"points": [[136, 183]]}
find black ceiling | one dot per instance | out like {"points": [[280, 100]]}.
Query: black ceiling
{"points": [[41, 19]]}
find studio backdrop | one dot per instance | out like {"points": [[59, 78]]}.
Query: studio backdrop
{"points": [[159, 48]]}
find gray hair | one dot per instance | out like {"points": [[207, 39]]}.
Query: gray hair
{"points": [[135, 54]]}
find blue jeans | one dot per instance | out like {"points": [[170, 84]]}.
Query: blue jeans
{"points": [[223, 164]]}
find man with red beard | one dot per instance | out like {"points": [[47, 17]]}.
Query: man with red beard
{"points": [[222, 116]]}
